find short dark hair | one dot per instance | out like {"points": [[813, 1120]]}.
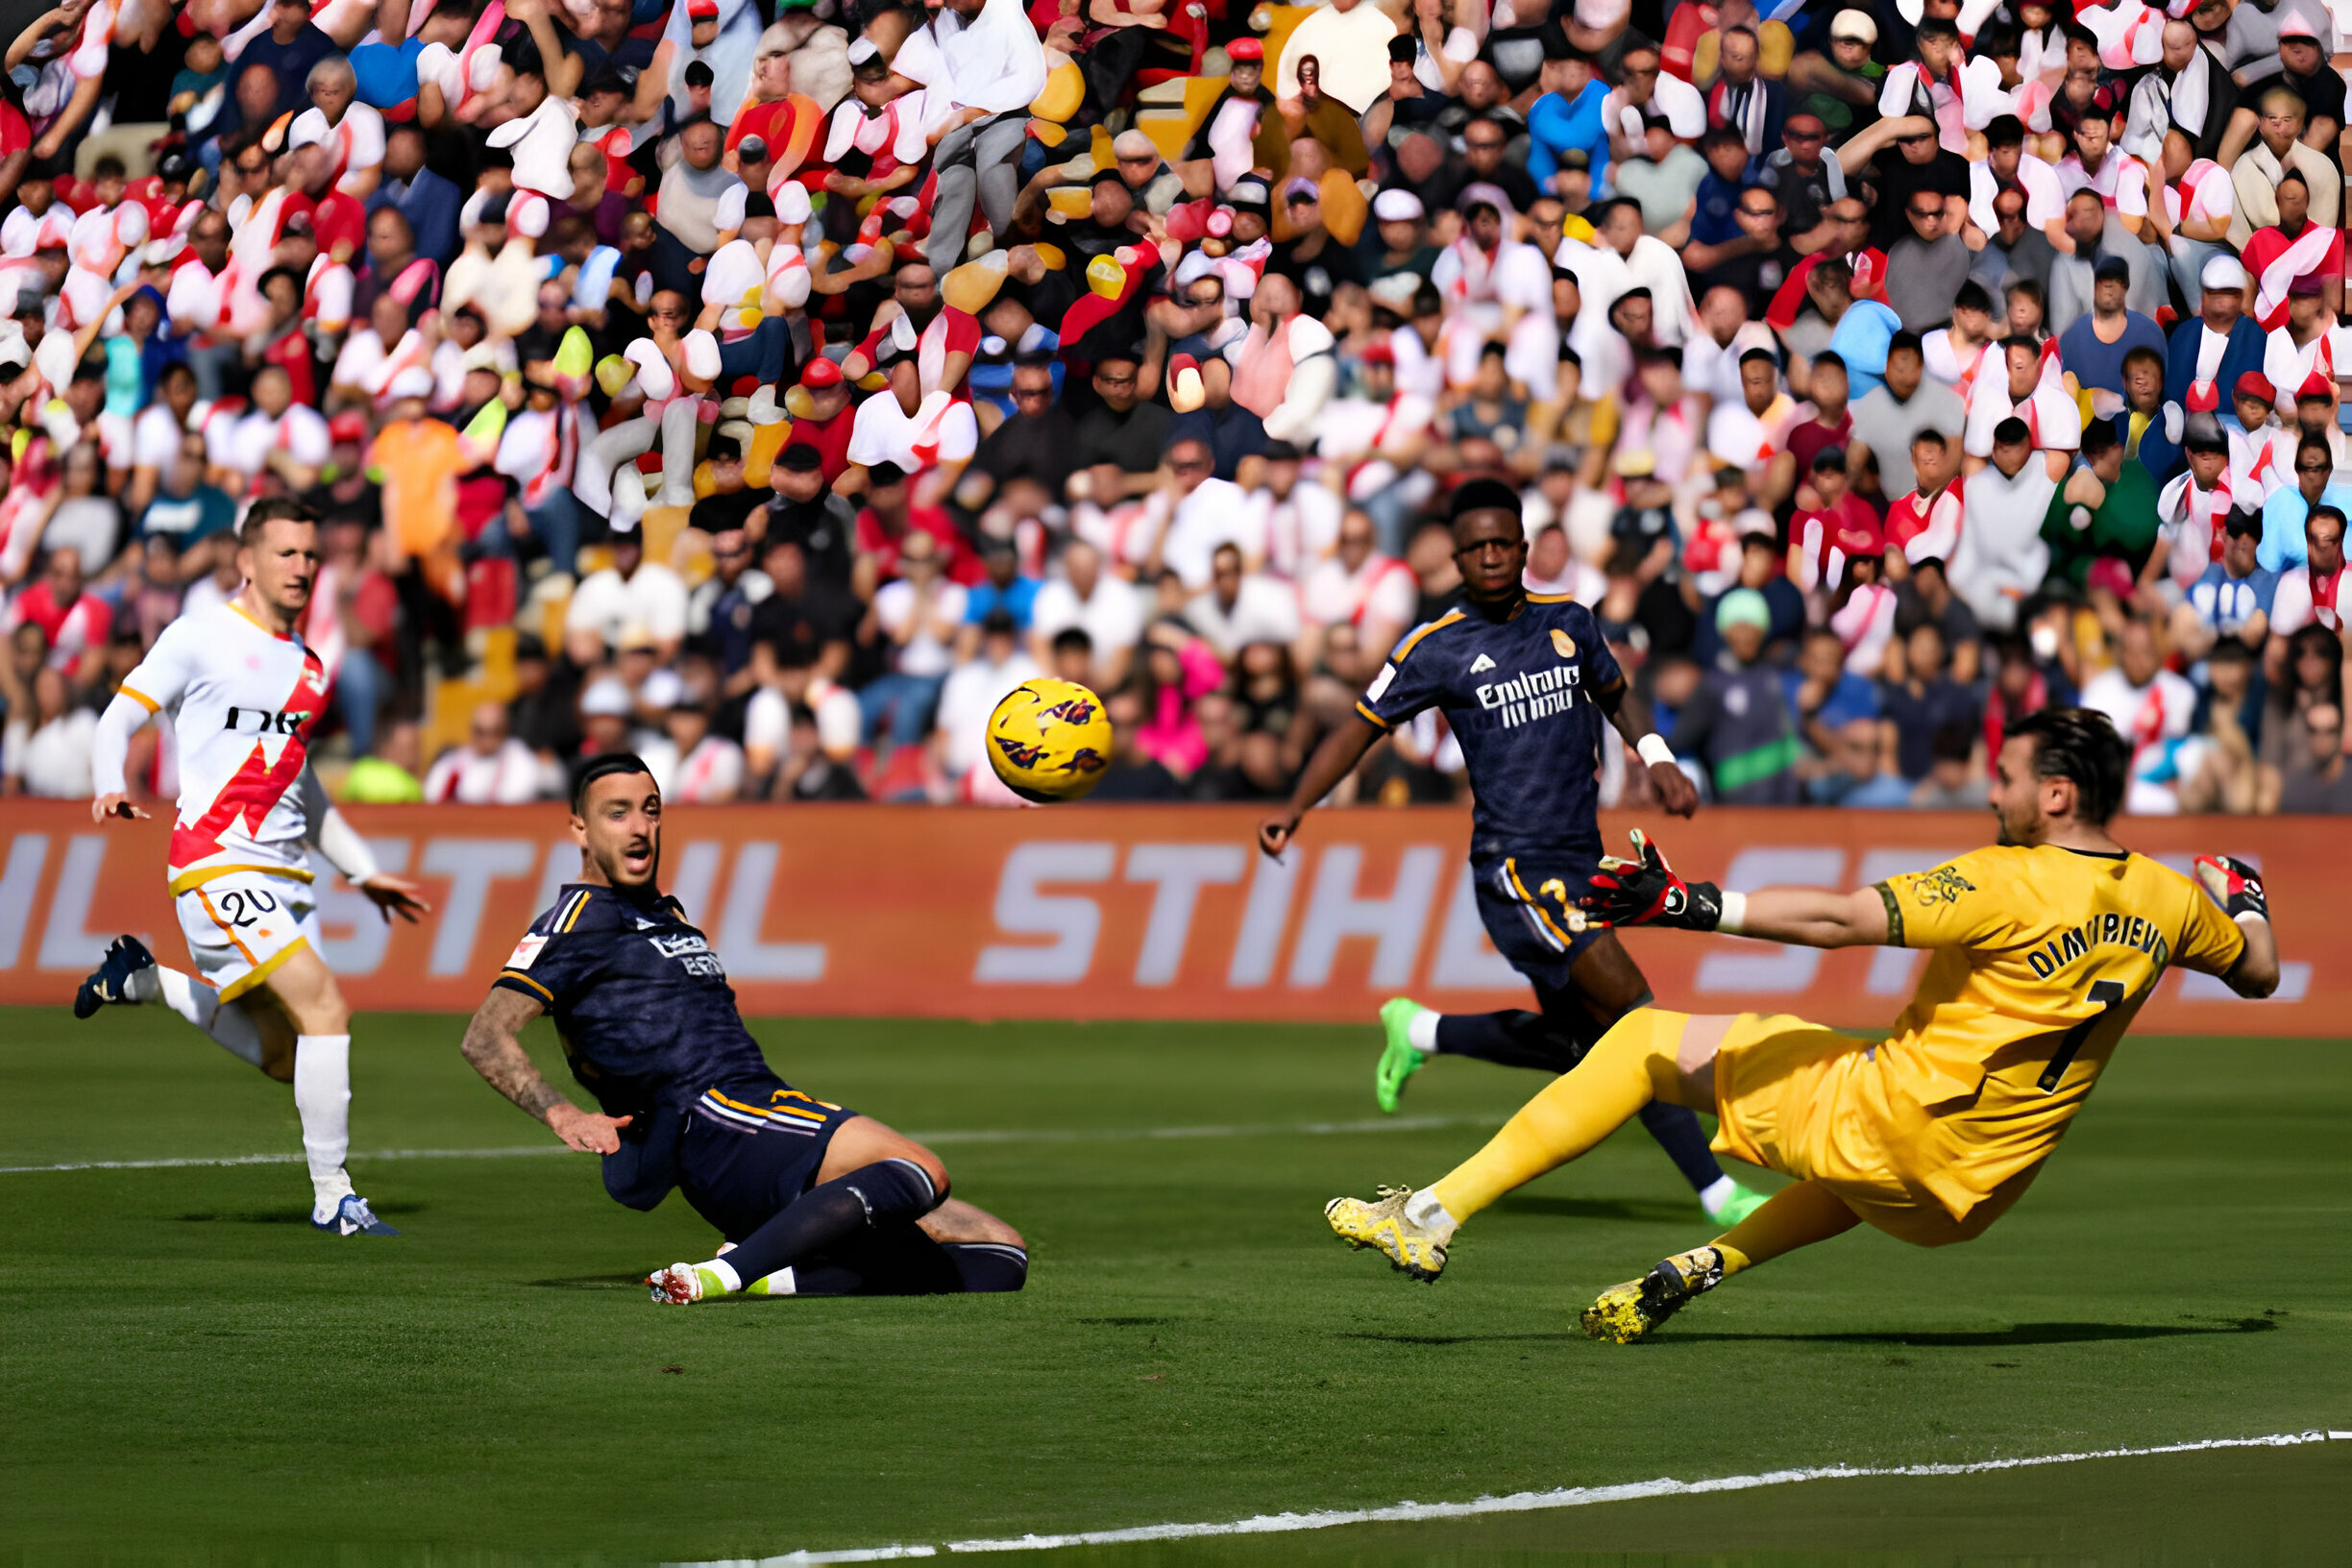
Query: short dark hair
{"points": [[2080, 746], [1482, 495], [602, 767], [1936, 27], [2011, 431], [1904, 342], [272, 510], [2242, 523], [2324, 510], [2098, 436], [2005, 131], [1972, 296]]}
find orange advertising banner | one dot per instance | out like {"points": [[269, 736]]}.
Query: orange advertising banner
{"points": [[1115, 912]]}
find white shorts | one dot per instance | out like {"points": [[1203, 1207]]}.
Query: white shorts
{"points": [[242, 926]]}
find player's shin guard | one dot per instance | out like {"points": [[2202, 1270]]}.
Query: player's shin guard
{"points": [[232, 1028], [322, 1097], [1618, 1077], [886, 1193]]}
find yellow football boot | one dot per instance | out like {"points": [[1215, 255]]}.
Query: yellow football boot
{"points": [[1629, 1311], [1419, 1250]]}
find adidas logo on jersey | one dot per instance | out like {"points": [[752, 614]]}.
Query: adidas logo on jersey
{"points": [[1480, 663]]}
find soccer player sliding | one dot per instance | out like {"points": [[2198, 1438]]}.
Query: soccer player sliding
{"points": [[1525, 681], [815, 1200], [2045, 948]]}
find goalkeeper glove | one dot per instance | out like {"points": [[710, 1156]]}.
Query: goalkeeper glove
{"points": [[2236, 886], [1645, 891]]}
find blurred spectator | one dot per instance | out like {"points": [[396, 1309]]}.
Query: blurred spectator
{"points": [[2322, 788], [1924, 702], [1084, 596], [74, 622], [387, 777], [491, 768], [1738, 722], [2152, 709], [631, 593], [967, 698], [46, 752], [692, 766], [920, 615], [1240, 606], [1955, 778]]}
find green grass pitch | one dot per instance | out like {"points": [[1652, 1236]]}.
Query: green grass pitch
{"points": [[191, 1375]]}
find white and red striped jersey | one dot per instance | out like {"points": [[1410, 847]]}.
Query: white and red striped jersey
{"points": [[1382, 591], [242, 701], [2304, 597], [2121, 181], [2195, 523], [1922, 526]]}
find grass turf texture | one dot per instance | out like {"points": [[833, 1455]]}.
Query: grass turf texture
{"points": [[195, 1375]]}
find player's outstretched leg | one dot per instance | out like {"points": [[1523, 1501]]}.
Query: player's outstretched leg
{"points": [[957, 1249], [129, 976], [1636, 1063], [1795, 1216], [873, 1179]]}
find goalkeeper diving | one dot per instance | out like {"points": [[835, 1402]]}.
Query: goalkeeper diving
{"points": [[2045, 946]]}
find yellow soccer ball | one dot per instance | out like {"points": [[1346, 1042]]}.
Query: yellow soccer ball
{"points": [[1049, 740]]}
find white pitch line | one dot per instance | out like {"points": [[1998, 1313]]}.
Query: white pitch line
{"points": [[1566, 1497], [985, 1135]]}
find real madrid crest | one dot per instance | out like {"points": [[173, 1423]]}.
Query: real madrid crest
{"points": [[1562, 644]]}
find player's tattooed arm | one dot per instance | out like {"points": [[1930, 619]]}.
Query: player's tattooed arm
{"points": [[494, 1045]]}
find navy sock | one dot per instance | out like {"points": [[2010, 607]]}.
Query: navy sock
{"points": [[988, 1266], [1513, 1037], [1678, 1132], [903, 1261], [883, 1195]]}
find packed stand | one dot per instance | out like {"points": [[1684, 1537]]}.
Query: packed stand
{"points": [[769, 392]]}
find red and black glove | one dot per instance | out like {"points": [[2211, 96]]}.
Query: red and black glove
{"points": [[2236, 886], [1645, 891]]}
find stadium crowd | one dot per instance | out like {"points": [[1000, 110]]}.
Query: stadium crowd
{"points": [[772, 391]]}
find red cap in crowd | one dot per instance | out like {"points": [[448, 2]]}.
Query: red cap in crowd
{"points": [[820, 372]]}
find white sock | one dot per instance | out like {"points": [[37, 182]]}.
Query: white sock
{"points": [[1421, 1030], [1717, 1191], [728, 1279], [1425, 1211], [232, 1028], [322, 1097]]}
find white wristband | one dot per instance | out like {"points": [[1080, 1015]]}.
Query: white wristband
{"points": [[1735, 912], [1653, 749]]}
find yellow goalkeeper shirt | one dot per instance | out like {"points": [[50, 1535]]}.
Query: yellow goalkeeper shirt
{"points": [[2042, 957]]}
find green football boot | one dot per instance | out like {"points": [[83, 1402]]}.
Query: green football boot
{"points": [[1400, 1058]]}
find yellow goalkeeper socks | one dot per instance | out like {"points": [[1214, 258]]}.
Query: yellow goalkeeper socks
{"points": [[1795, 1216], [1600, 1095]]}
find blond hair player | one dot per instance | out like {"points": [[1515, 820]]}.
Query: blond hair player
{"points": [[243, 692]]}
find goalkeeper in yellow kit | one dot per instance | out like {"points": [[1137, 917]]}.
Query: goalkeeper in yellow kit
{"points": [[2045, 946]]}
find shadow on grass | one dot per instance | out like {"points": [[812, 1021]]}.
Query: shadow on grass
{"points": [[2022, 1333], [1637, 1210], [593, 1282], [284, 1216]]}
